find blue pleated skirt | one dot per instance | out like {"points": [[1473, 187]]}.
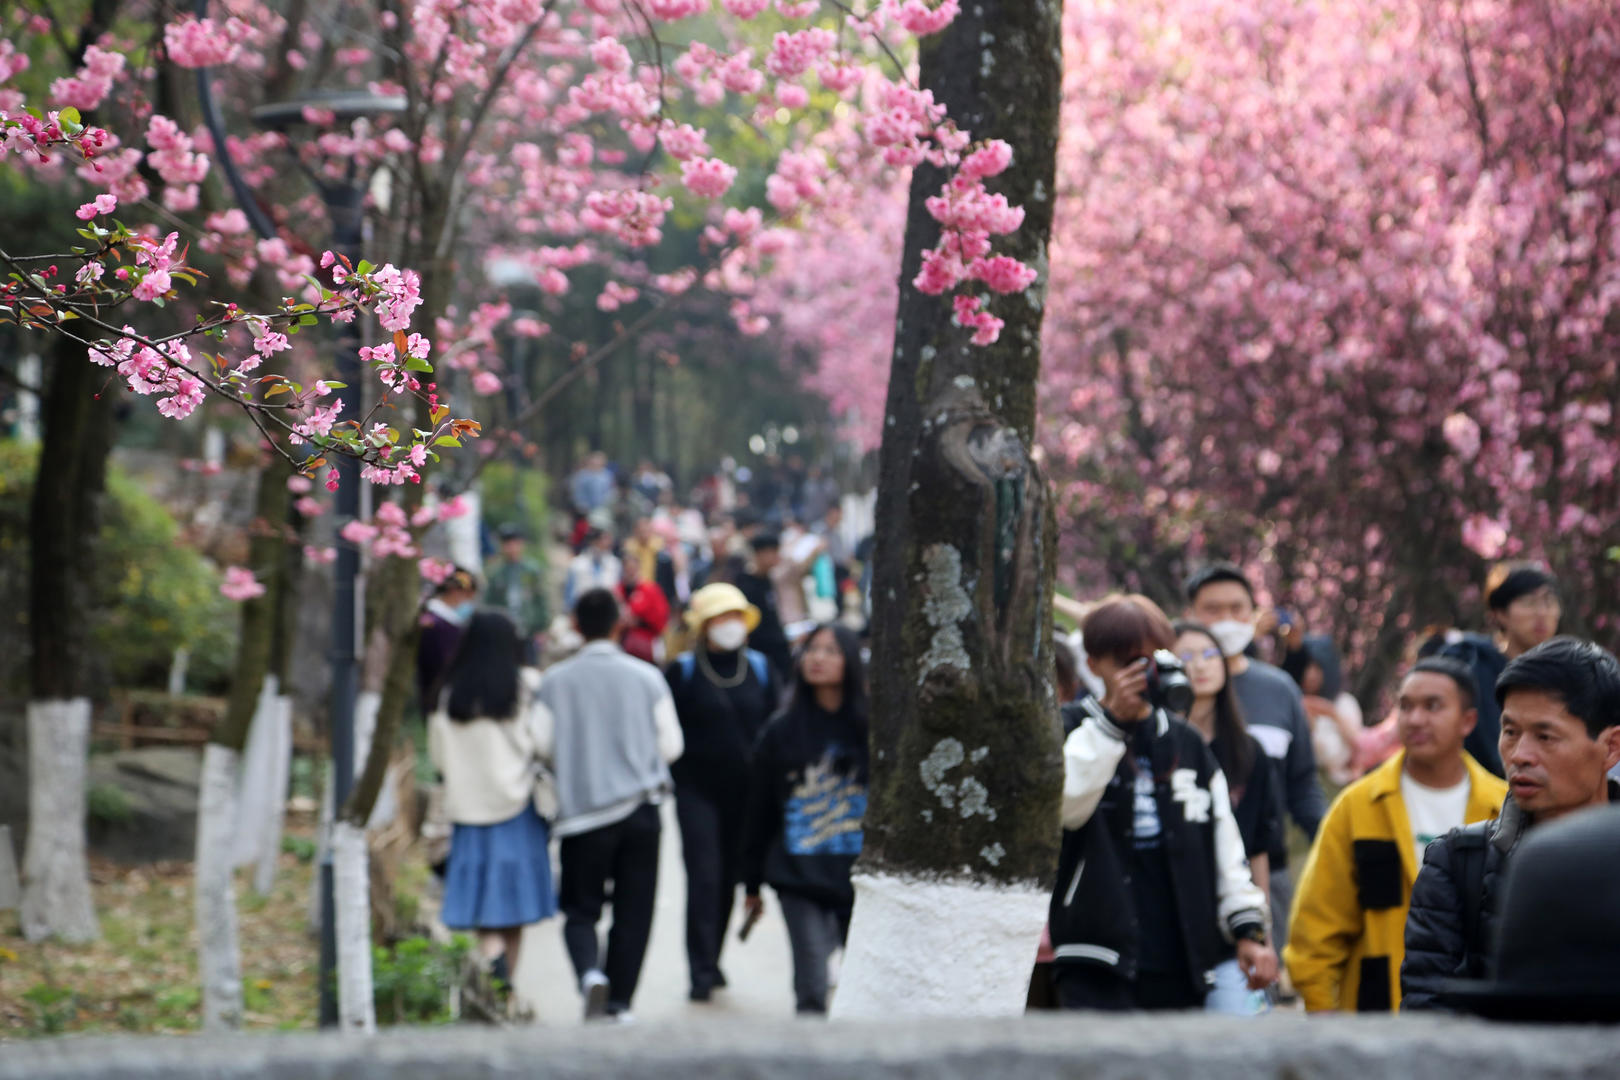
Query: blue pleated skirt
{"points": [[499, 876]]}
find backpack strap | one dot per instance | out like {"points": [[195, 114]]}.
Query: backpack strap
{"points": [[1467, 850], [761, 666], [687, 662]]}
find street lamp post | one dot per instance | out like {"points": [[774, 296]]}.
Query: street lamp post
{"points": [[345, 207]]}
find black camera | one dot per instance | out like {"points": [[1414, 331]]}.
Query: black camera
{"points": [[1168, 687]]}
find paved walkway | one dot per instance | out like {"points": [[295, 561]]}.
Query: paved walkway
{"points": [[759, 970]]}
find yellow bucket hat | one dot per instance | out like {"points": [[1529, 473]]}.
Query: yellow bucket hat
{"points": [[718, 599]]}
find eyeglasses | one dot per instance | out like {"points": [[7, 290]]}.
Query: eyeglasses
{"points": [[1209, 652]]}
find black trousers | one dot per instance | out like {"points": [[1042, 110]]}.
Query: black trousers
{"points": [[625, 853], [711, 846], [1083, 986], [815, 931]]}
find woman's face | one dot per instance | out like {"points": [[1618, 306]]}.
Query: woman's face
{"points": [[1311, 680], [1206, 667], [823, 660]]}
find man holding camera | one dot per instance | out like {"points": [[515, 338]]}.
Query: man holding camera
{"points": [[1152, 873]]}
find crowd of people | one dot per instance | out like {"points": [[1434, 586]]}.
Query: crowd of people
{"points": [[712, 655], [1185, 753]]}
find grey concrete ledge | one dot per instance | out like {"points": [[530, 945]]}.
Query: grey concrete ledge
{"points": [[1094, 1046]]}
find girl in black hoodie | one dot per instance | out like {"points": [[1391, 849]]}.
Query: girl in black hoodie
{"points": [[807, 803]]}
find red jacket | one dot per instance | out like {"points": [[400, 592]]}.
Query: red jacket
{"points": [[648, 616]]}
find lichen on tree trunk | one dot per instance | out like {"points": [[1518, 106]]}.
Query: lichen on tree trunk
{"points": [[966, 769]]}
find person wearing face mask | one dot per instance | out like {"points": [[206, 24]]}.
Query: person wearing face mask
{"points": [[724, 692], [1220, 597], [443, 618]]}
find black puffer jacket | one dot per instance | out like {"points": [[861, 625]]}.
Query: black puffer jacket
{"points": [[1440, 943]]}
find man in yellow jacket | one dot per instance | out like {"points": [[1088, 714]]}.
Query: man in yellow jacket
{"points": [[1346, 937]]}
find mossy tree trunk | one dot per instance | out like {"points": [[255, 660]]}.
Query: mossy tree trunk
{"points": [[966, 764], [64, 520]]}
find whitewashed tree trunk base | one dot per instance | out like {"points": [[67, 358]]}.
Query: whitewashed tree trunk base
{"points": [[56, 900], [270, 852], [219, 959], [352, 888], [938, 948]]}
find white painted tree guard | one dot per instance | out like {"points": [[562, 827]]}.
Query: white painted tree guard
{"points": [[938, 948], [352, 894], [219, 958], [56, 900], [266, 770]]}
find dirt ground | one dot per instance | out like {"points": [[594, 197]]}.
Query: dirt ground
{"points": [[142, 975]]}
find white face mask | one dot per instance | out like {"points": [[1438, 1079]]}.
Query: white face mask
{"points": [[728, 636], [1232, 636]]}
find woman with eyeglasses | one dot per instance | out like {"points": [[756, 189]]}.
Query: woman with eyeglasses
{"points": [[1251, 782]]}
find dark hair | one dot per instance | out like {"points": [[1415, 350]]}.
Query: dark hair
{"points": [[1123, 624], [1455, 670], [852, 714], [1584, 676], [767, 541], [1320, 650], [1234, 748], [457, 579], [482, 678], [1065, 666], [597, 613], [1508, 582], [1214, 572]]}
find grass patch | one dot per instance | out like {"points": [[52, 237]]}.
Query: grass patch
{"points": [[142, 975]]}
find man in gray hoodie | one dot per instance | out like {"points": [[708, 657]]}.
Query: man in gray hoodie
{"points": [[608, 725]]}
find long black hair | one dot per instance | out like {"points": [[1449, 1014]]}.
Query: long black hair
{"points": [[852, 717], [483, 674], [1234, 749]]}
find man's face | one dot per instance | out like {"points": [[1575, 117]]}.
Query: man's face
{"points": [[512, 549], [1531, 619], [603, 541], [1553, 765], [1222, 600], [1430, 718], [767, 558]]}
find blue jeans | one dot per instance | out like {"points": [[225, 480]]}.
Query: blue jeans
{"points": [[1231, 994]]}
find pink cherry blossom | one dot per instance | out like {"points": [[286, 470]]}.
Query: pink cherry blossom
{"points": [[240, 584]]}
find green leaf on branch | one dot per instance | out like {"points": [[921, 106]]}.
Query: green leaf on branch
{"points": [[447, 440], [307, 320], [416, 363]]}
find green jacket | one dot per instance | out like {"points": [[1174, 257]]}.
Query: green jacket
{"points": [[519, 589]]}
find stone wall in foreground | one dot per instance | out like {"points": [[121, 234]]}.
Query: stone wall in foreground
{"points": [[1082, 1046]]}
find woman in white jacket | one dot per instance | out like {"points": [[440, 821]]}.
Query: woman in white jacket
{"points": [[482, 738]]}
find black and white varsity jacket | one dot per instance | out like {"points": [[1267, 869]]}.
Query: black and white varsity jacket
{"points": [[1093, 918]]}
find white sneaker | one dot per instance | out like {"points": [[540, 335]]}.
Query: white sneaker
{"points": [[594, 985], [625, 1017]]}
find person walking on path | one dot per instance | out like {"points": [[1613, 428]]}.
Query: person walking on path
{"points": [[482, 738], [756, 584], [596, 567], [1220, 597], [1346, 943], [443, 618], [807, 805], [1256, 802], [1560, 737], [517, 585], [1524, 611], [606, 722], [723, 692]]}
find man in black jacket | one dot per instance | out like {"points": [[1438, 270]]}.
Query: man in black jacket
{"points": [[1560, 737], [1152, 872]]}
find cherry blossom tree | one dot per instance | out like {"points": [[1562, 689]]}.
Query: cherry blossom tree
{"points": [[1333, 294]]}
